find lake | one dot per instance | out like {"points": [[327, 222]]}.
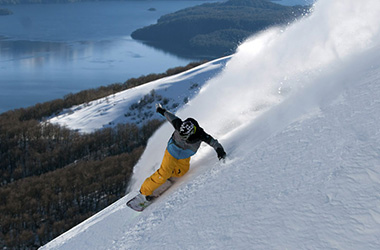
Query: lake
{"points": [[48, 51]]}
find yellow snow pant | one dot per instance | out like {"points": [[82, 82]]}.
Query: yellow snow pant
{"points": [[170, 167]]}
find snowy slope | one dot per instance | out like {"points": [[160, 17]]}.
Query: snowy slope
{"points": [[137, 105], [298, 111]]}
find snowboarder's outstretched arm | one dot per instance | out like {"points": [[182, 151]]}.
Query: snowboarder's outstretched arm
{"points": [[174, 120]]}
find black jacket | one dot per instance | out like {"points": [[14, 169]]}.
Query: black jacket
{"points": [[181, 149]]}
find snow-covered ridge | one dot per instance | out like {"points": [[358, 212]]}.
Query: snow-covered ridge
{"points": [[298, 113], [137, 105]]}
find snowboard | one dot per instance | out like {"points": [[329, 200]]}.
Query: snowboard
{"points": [[138, 203]]}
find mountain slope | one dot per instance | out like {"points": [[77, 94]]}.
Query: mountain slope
{"points": [[136, 105], [299, 116], [312, 184]]}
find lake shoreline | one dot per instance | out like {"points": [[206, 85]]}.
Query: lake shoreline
{"points": [[48, 51]]}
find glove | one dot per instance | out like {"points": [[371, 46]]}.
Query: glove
{"points": [[221, 153], [160, 109]]}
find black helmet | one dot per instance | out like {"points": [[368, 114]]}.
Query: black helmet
{"points": [[187, 128]]}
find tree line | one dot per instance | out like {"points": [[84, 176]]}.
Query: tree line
{"points": [[37, 209], [52, 178], [30, 148]]}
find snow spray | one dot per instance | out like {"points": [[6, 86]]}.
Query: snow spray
{"points": [[272, 66]]}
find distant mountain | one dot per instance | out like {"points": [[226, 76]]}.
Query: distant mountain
{"points": [[215, 29]]}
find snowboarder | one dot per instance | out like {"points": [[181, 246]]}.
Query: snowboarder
{"points": [[184, 143]]}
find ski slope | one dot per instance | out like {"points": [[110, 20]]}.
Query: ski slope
{"points": [[298, 112]]}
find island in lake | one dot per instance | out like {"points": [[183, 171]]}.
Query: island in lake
{"points": [[213, 30]]}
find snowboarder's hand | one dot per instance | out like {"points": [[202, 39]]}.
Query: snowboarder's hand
{"points": [[160, 109], [221, 153]]}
